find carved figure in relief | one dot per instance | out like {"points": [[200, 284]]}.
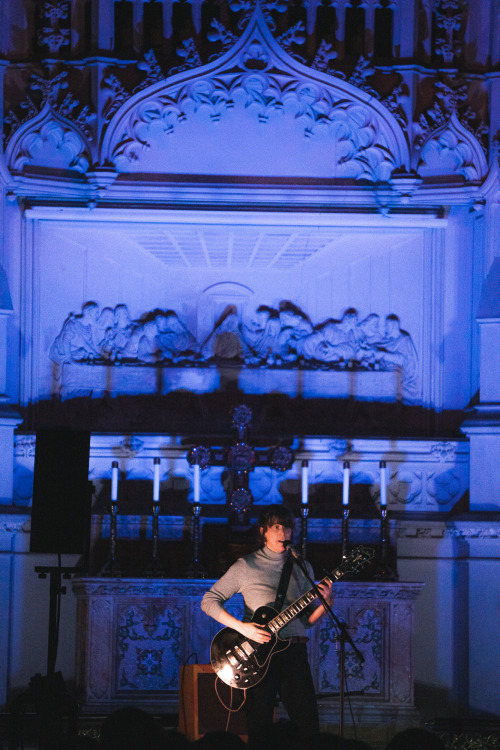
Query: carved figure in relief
{"points": [[294, 327], [225, 341], [397, 351], [334, 340], [270, 336], [174, 340], [148, 349], [369, 337], [105, 323], [79, 339], [260, 335], [123, 328]]}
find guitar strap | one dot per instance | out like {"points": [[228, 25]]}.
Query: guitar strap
{"points": [[283, 584]]}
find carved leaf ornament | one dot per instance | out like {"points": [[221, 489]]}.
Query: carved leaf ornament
{"points": [[361, 139], [48, 140], [452, 149]]}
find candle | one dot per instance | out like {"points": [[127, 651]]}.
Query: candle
{"points": [[156, 480], [345, 487], [305, 485], [383, 487], [114, 481], [197, 483]]}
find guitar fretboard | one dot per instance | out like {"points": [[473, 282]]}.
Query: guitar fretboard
{"points": [[295, 608], [359, 557]]}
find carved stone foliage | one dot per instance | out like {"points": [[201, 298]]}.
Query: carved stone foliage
{"points": [[148, 646], [366, 626], [49, 141], [449, 17], [256, 85], [54, 31], [437, 487], [451, 149], [271, 337], [449, 137], [53, 98]]}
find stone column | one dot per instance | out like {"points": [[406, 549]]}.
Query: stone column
{"points": [[9, 418], [482, 427]]}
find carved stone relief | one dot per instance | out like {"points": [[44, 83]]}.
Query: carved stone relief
{"points": [[449, 136], [451, 150], [50, 142], [148, 631], [256, 83], [55, 101], [53, 33], [280, 337], [449, 15]]}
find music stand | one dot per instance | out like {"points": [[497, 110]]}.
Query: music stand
{"points": [[47, 694]]}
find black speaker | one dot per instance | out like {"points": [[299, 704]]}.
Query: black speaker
{"points": [[62, 498]]}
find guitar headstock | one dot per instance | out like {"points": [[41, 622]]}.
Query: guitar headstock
{"points": [[357, 559]]}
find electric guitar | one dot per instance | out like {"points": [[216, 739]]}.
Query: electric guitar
{"points": [[242, 663]]}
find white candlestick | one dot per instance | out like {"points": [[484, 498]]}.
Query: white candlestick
{"points": [[156, 480], [383, 486], [114, 481], [305, 482], [345, 487], [196, 483]]}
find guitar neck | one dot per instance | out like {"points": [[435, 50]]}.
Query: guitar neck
{"points": [[298, 606], [356, 560]]}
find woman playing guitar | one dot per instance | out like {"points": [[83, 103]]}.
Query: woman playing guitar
{"points": [[285, 671]]}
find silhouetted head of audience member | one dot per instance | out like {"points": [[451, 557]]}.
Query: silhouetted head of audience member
{"points": [[282, 734], [81, 742], [415, 738], [219, 741], [132, 729], [331, 741]]}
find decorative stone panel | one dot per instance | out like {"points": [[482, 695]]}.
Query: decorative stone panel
{"points": [[134, 634]]}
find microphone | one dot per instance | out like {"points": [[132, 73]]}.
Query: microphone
{"points": [[288, 544]]}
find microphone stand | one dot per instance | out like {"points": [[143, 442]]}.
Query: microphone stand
{"points": [[343, 635]]}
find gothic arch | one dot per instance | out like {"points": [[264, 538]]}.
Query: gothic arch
{"points": [[48, 140], [452, 149], [256, 112]]}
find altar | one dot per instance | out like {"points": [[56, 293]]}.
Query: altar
{"points": [[134, 635]]}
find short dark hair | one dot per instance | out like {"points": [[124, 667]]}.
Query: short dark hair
{"points": [[275, 513]]}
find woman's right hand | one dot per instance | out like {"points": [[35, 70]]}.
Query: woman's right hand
{"points": [[254, 632]]}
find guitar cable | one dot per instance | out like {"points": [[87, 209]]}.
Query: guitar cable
{"points": [[230, 710]]}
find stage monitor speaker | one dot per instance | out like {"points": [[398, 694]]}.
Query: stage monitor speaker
{"points": [[201, 711], [60, 514]]}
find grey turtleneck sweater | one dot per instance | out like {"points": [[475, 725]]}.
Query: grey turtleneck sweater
{"points": [[256, 577]]}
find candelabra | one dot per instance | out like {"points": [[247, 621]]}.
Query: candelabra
{"points": [[196, 569], [111, 567], [345, 530], [154, 570], [385, 572], [304, 529], [345, 508]]}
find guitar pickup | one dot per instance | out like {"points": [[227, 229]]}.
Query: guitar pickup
{"points": [[247, 648], [240, 653], [232, 659]]}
